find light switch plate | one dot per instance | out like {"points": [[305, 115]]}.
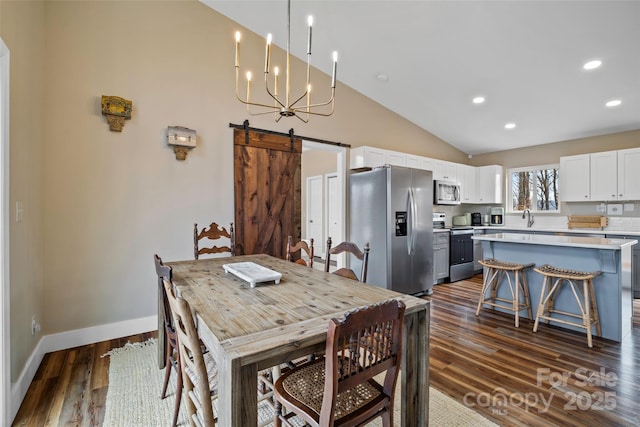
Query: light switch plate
{"points": [[629, 207], [614, 209]]}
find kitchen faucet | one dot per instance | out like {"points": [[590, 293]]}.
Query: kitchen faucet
{"points": [[529, 217]]}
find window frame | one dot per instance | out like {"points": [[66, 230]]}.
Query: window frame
{"points": [[534, 169]]}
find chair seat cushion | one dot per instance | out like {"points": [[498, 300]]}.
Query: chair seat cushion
{"points": [[306, 384]]}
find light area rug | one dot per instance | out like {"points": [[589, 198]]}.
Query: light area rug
{"points": [[135, 383]]}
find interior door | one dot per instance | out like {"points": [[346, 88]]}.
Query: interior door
{"points": [[334, 217], [267, 192], [314, 213]]}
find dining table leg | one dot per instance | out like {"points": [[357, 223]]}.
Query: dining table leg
{"points": [[237, 394], [415, 369]]}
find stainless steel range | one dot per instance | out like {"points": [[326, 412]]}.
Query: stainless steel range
{"points": [[460, 253], [460, 248]]}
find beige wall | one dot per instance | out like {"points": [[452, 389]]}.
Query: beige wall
{"points": [[22, 27], [98, 204], [551, 153]]}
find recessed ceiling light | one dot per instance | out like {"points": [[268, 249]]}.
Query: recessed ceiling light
{"points": [[478, 100], [592, 65], [510, 126], [613, 103], [382, 77]]}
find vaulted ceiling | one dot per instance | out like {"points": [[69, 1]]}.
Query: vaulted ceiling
{"points": [[427, 60]]}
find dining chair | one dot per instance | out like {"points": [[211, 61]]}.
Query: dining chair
{"points": [[302, 247], [353, 249], [339, 388], [199, 370], [214, 232], [172, 358]]}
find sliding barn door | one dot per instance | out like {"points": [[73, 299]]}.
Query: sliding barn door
{"points": [[267, 192]]}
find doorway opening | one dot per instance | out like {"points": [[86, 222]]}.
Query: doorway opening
{"points": [[324, 174]]}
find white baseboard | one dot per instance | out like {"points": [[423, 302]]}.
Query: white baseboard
{"points": [[70, 339]]}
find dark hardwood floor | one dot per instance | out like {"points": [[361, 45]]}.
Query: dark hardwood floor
{"points": [[70, 386], [516, 377], [481, 361]]}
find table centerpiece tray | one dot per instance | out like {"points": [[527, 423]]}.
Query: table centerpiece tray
{"points": [[252, 272]]}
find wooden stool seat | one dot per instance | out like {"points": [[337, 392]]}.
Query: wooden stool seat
{"points": [[554, 278], [494, 276]]}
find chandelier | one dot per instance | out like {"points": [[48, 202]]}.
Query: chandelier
{"points": [[285, 107]]}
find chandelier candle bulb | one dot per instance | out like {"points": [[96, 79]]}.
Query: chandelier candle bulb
{"points": [[267, 54], [335, 66], [237, 49], [310, 20]]}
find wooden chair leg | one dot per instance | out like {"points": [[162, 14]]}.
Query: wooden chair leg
{"points": [[167, 368], [525, 292], [176, 409], [277, 406], [386, 419]]}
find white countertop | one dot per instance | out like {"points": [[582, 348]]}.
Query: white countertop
{"points": [[506, 229], [550, 240]]}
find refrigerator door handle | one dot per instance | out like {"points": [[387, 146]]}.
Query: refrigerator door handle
{"points": [[411, 211]]}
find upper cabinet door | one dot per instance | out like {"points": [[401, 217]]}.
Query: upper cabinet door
{"points": [[604, 180], [575, 178], [629, 174], [467, 179], [444, 170], [489, 184]]}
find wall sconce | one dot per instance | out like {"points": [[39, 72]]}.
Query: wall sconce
{"points": [[117, 111], [181, 139]]}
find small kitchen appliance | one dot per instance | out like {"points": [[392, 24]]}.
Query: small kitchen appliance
{"points": [[476, 219], [497, 216]]}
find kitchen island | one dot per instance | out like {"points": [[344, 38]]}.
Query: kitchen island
{"points": [[613, 288]]}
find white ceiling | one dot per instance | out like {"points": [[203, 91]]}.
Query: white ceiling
{"points": [[524, 57]]}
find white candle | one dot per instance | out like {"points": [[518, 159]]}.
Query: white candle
{"points": [[310, 20], [267, 53], [335, 66], [237, 48]]}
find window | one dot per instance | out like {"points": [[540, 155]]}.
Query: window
{"points": [[534, 188]]}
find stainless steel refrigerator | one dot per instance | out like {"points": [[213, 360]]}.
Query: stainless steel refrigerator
{"points": [[391, 208]]}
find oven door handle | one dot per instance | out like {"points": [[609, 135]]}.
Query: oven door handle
{"points": [[411, 221]]}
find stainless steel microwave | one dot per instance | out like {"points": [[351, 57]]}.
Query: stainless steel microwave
{"points": [[446, 193]]}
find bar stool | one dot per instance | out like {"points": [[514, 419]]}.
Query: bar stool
{"points": [[554, 278], [494, 277]]}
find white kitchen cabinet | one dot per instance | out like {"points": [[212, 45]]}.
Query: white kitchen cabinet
{"points": [[367, 157], [444, 170], [605, 176], [575, 178], [419, 162], [629, 174], [489, 184], [467, 179], [604, 179], [396, 158]]}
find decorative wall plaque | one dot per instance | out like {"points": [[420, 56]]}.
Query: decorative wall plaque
{"points": [[117, 111]]}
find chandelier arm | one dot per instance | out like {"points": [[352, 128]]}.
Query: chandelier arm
{"points": [[261, 113], [301, 119], [314, 112], [322, 104], [266, 86], [298, 100]]}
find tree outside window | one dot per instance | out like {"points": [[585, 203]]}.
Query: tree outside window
{"points": [[535, 188]]}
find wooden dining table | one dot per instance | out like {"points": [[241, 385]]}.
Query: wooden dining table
{"points": [[248, 329]]}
